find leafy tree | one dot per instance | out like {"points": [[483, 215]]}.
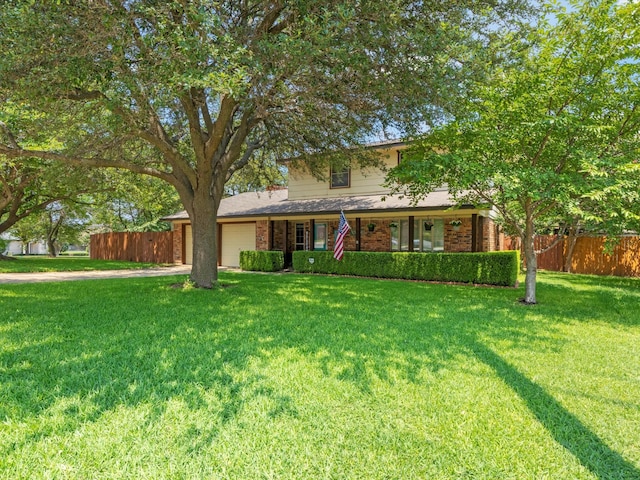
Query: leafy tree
{"points": [[133, 203], [59, 224], [552, 138], [199, 87], [259, 174], [28, 187], [121, 201], [27, 230], [62, 224], [3, 246]]}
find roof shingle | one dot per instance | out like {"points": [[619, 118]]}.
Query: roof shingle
{"points": [[276, 203]]}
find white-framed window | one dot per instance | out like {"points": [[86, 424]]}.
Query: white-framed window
{"points": [[431, 235], [340, 178], [300, 240], [428, 235]]}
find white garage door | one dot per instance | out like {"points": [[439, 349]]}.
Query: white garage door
{"points": [[235, 238], [188, 245]]}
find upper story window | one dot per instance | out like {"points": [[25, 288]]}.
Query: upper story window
{"points": [[341, 178]]}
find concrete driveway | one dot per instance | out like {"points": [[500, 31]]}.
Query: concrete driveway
{"points": [[93, 274]]}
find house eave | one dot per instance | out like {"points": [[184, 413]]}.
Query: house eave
{"points": [[252, 206]]}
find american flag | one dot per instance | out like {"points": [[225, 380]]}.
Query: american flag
{"points": [[343, 229]]}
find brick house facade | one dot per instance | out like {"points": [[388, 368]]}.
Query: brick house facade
{"points": [[306, 214]]}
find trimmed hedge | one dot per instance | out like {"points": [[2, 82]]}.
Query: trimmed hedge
{"points": [[491, 268], [75, 253], [261, 260]]}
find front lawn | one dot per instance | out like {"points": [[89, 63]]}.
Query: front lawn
{"points": [[26, 264], [295, 377]]}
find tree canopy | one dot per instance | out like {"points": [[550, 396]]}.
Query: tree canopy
{"points": [[552, 138], [28, 187], [189, 91], [132, 203]]}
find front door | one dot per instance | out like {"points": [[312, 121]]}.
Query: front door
{"points": [[320, 236]]}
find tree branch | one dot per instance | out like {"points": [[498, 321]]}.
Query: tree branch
{"points": [[188, 101], [238, 138], [9, 134], [246, 157], [228, 107], [86, 162]]}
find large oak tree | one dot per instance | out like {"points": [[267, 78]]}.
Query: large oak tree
{"points": [[189, 90]]}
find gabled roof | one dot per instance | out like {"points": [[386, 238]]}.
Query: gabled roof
{"points": [[276, 203]]}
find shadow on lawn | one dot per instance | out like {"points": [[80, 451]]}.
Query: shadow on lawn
{"points": [[73, 357], [566, 429], [198, 346], [591, 297]]}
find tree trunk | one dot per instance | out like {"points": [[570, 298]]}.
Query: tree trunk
{"points": [[51, 247], [532, 262], [52, 233], [204, 271]]}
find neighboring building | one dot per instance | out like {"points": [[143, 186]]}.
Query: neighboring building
{"points": [[305, 217], [16, 247]]}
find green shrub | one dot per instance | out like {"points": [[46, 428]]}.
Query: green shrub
{"points": [[262, 260], [492, 268]]}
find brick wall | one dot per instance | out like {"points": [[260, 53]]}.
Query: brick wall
{"points": [[458, 240], [490, 236], [177, 243], [262, 235], [349, 239], [377, 241], [278, 235]]}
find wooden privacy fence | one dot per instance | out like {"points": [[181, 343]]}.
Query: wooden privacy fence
{"points": [[154, 247], [588, 255]]}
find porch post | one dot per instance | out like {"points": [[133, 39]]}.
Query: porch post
{"points": [[480, 235], [474, 232], [285, 246], [270, 236], [411, 232], [312, 234]]}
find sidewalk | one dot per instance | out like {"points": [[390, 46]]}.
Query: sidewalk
{"points": [[92, 274]]}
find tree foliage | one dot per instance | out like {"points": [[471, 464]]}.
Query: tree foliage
{"points": [[60, 224], [116, 201], [28, 187], [259, 174], [189, 91], [553, 137], [133, 203]]}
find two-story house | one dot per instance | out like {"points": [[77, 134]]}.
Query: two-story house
{"points": [[305, 216]]}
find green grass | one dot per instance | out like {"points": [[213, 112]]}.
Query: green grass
{"points": [[65, 264], [295, 376]]}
